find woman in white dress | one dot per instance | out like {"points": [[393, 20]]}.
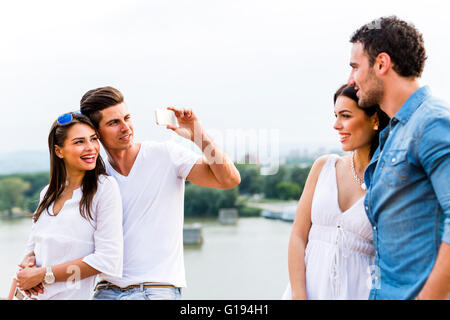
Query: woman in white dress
{"points": [[330, 249], [77, 227]]}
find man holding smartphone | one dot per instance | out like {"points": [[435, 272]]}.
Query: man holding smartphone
{"points": [[151, 177]]}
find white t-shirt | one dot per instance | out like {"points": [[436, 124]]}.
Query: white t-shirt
{"points": [[68, 236], [153, 214]]}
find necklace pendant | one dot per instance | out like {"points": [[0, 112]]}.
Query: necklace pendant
{"points": [[363, 186]]}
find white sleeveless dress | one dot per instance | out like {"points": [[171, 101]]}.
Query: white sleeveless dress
{"points": [[339, 254]]}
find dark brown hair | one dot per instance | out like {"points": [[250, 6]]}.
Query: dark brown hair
{"points": [[98, 99], [399, 39], [57, 136], [383, 119]]}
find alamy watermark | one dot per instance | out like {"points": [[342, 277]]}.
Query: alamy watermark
{"points": [[73, 281], [243, 146], [374, 278], [375, 24]]}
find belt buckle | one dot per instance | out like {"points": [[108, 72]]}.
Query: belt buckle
{"points": [[102, 285], [126, 288]]}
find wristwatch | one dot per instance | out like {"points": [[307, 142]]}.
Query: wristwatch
{"points": [[49, 276]]}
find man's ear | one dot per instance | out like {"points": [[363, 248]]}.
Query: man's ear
{"points": [[382, 63], [58, 152]]}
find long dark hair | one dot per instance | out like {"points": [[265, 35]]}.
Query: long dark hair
{"points": [[57, 136], [383, 119]]}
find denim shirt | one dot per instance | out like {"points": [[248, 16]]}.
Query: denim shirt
{"points": [[408, 196]]}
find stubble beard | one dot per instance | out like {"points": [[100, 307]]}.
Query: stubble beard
{"points": [[118, 146], [374, 94]]}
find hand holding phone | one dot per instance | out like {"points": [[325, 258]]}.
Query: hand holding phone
{"points": [[165, 117]]}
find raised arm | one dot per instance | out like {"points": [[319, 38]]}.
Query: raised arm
{"points": [[300, 231], [215, 169]]}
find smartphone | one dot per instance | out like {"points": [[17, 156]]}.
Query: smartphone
{"points": [[165, 117]]}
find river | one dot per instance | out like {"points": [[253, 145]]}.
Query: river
{"points": [[243, 261]]}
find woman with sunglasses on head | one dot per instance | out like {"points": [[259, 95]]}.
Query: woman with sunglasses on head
{"points": [[331, 249], [77, 227]]}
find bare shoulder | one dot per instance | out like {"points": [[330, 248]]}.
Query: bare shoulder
{"points": [[310, 186], [315, 171], [320, 162], [343, 161]]}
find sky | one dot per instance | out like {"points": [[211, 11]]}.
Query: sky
{"points": [[246, 65]]}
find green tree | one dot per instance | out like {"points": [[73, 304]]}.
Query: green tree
{"points": [[299, 175], [200, 201], [251, 179], [287, 190], [271, 182], [12, 191], [37, 182]]}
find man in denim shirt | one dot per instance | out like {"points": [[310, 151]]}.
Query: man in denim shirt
{"points": [[408, 178]]}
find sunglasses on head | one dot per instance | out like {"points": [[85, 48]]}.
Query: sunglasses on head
{"points": [[67, 117]]}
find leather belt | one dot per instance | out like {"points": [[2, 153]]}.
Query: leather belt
{"points": [[107, 285]]}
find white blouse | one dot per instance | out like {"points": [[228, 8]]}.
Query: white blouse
{"points": [[68, 236]]}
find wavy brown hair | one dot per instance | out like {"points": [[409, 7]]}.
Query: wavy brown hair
{"points": [[399, 39], [96, 100], [89, 184]]}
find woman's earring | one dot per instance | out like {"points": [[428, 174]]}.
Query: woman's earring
{"points": [[375, 128]]}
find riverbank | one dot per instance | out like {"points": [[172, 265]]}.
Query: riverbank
{"points": [[14, 216], [247, 260]]}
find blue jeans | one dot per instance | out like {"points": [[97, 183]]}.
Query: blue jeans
{"points": [[149, 293]]}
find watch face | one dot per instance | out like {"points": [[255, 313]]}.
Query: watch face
{"points": [[49, 278]]}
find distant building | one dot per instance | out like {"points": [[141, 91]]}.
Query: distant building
{"points": [[228, 216], [192, 234]]}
